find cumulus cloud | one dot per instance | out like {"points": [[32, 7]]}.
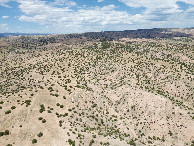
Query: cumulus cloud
{"points": [[58, 16], [155, 10], [160, 10], [4, 17], [83, 19]]}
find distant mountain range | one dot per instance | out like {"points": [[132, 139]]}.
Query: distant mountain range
{"points": [[19, 34], [139, 33]]}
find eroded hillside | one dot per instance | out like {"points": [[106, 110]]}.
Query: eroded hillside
{"points": [[96, 92]]}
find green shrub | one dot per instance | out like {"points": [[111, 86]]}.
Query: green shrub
{"points": [[170, 133], [42, 108], [13, 107], [71, 142], [40, 118], [50, 89], [94, 105], [1, 134], [6, 132], [34, 141], [8, 112], [149, 141], [57, 95], [40, 134], [27, 102], [43, 121], [132, 142], [91, 142]]}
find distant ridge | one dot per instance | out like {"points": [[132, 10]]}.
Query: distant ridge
{"points": [[139, 33], [19, 34]]}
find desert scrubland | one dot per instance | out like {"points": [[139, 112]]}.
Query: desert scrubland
{"points": [[85, 91]]}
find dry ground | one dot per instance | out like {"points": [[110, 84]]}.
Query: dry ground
{"points": [[127, 92]]}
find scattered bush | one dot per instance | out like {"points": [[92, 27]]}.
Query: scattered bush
{"points": [[40, 118], [8, 112], [71, 142], [1, 134], [34, 141], [6, 132], [43, 121], [132, 142], [27, 102], [91, 142], [13, 107], [170, 133], [42, 108], [40, 134]]}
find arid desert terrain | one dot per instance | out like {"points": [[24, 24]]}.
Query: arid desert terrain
{"points": [[60, 90]]}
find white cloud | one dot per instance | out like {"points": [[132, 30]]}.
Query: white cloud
{"points": [[58, 16], [191, 2], [4, 17], [3, 3], [190, 10], [4, 27], [157, 10], [154, 3], [100, 1], [94, 18], [64, 2], [109, 7]]}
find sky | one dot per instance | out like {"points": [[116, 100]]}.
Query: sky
{"points": [[78, 16]]}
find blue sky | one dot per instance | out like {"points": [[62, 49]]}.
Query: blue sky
{"points": [[77, 16]]}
